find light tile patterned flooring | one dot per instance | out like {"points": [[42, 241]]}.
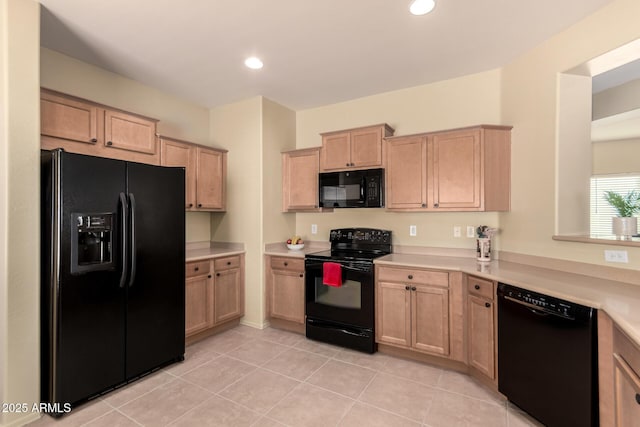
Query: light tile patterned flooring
{"points": [[262, 378]]}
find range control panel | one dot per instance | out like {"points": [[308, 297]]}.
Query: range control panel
{"points": [[542, 303], [360, 235]]}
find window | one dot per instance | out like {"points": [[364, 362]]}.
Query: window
{"points": [[601, 211]]}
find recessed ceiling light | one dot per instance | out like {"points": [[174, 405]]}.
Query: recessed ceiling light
{"points": [[421, 7], [253, 63]]}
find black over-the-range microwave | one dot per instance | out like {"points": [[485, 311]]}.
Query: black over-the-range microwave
{"points": [[352, 189]]}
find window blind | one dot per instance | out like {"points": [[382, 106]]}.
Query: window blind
{"points": [[601, 211]]}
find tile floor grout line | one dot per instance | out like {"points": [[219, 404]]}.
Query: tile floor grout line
{"points": [[387, 411]]}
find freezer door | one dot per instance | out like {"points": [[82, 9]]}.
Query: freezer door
{"points": [[155, 304], [83, 310]]}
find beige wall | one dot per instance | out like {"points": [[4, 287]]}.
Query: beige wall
{"points": [[619, 99], [19, 213], [239, 127], [619, 156], [460, 102], [178, 119], [529, 103]]}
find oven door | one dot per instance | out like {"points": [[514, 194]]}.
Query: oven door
{"points": [[351, 304]]}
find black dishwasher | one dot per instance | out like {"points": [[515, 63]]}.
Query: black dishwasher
{"points": [[548, 357]]}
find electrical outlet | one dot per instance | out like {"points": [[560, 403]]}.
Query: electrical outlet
{"points": [[471, 231], [457, 230], [616, 256], [314, 228], [413, 231]]}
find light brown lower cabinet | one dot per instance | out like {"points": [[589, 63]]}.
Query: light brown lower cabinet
{"points": [[214, 293], [481, 326], [285, 289], [412, 309], [626, 380]]}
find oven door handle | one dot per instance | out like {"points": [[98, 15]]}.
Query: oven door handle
{"points": [[361, 269]]}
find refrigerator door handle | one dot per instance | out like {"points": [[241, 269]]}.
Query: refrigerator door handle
{"points": [[132, 204], [124, 209]]}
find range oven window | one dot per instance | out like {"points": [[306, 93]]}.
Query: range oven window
{"points": [[346, 296]]}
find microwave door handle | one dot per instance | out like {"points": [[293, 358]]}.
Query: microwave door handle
{"points": [[363, 185]]}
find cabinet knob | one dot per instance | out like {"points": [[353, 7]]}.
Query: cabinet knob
{"points": [[486, 304], [410, 276], [638, 398], [352, 164], [413, 288], [477, 287], [218, 274], [301, 275], [286, 263], [424, 205], [196, 269], [209, 276], [407, 287], [190, 205], [228, 262], [109, 143], [93, 140], [435, 205], [199, 205]]}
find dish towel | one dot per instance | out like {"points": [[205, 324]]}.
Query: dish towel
{"points": [[332, 274]]}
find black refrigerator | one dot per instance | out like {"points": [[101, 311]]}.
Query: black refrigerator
{"points": [[113, 274]]}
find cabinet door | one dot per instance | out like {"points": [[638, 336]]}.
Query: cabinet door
{"points": [[456, 158], [129, 132], [430, 319], [393, 314], [336, 151], [300, 180], [366, 148], [287, 295], [481, 335], [406, 173], [211, 170], [228, 295], [627, 393], [173, 153], [68, 119], [198, 304]]}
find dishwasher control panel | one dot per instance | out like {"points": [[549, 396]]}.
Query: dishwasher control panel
{"points": [[543, 303]]}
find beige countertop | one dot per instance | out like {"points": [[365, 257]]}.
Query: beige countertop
{"points": [[621, 301], [280, 249], [206, 250]]}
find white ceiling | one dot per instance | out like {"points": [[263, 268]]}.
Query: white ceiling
{"points": [[315, 53]]}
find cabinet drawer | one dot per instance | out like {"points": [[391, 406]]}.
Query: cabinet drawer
{"points": [[198, 268], [288, 264], [480, 287], [226, 263], [628, 350], [403, 275]]}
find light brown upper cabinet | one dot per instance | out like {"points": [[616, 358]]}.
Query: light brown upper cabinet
{"points": [[459, 170], [359, 148], [84, 127], [300, 180], [205, 173]]}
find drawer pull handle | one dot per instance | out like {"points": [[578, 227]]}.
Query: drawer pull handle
{"points": [[410, 276], [477, 287], [638, 398], [486, 304], [228, 262], [197, 269], [286, 264]]}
